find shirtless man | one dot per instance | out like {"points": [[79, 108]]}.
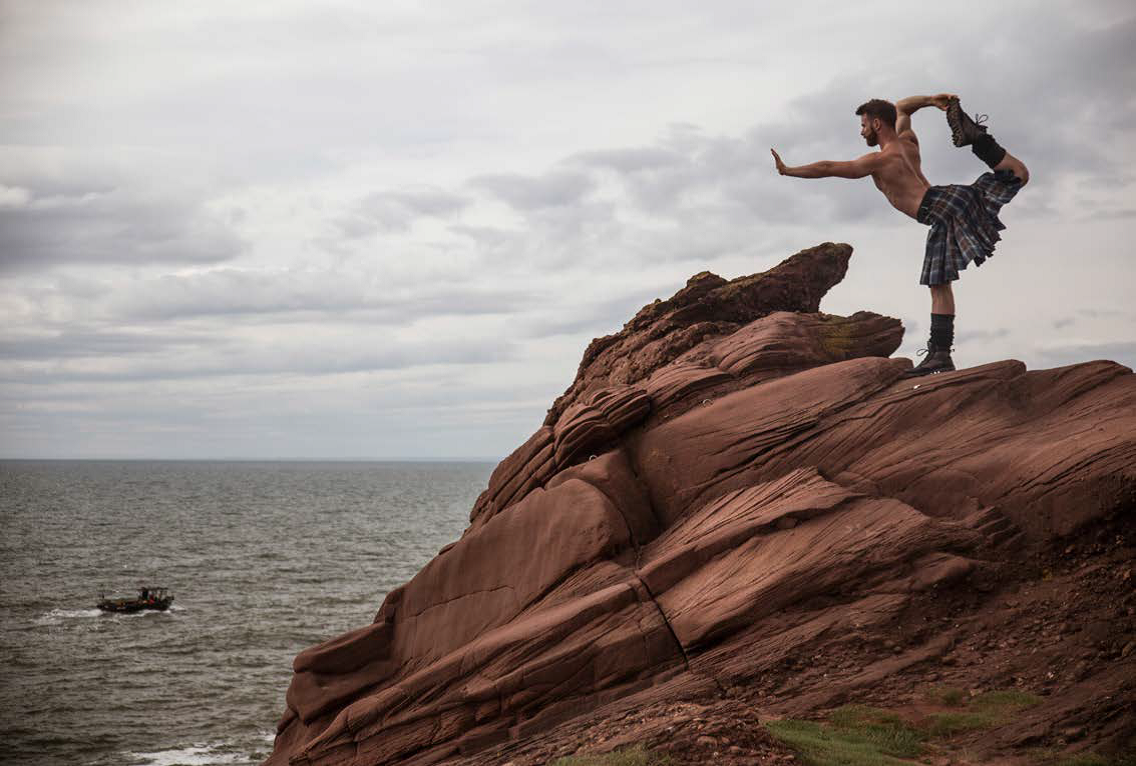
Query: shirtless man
{"points": [[963, 219]]}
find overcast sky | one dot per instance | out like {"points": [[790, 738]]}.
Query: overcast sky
{"points": [[281, 229]]}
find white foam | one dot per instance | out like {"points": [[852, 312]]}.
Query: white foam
{"points": [[193, 755], [56, 616], [145, 613]]}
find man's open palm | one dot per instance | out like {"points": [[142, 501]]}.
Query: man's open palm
{"points": [[777, 161]]}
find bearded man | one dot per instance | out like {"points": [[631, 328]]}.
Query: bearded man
{"points": [[963, 218]]}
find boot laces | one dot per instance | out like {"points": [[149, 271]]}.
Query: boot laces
{"points": [[980, 119]]}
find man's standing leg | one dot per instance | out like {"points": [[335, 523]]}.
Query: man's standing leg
{"points": [[938, 350], [942, 300], [942, 327]]}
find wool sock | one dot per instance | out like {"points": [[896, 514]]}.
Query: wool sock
{"points": [[987, 149], [942, 331]]}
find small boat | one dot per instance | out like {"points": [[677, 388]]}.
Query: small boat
{"points": [[148, 598]]}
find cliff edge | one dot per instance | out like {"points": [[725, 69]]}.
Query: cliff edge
{"points": [[740, 498]]}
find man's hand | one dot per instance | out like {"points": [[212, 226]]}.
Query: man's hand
{"points": [[942, 100], [912, 104], [778, 162]]}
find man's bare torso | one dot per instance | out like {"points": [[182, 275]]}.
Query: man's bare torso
{"points": [[899, 175]]}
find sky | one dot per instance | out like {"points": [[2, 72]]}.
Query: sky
{"points": [[346, 230]]}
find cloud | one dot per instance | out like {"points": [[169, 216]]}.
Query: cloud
{"points": [[14, 197], [592, 316], [394, 211], [696, 178], [630, 160], [229, 358], [534, 192], [66, 209], [1067, 353], [969, 335], [230, 292], [85, 342]]}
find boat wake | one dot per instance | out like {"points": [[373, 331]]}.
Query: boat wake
{"points": [[57, 616]]}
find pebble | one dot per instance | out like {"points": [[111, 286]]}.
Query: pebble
{"points": [[1073, 733]]}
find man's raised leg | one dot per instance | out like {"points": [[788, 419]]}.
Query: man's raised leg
{"points": [[1014, 165], [967, 132]]}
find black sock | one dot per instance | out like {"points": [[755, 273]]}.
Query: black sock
{"points": [[987, 149], [942, 331]]}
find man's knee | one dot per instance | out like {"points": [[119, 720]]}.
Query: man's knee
{"points": [[1021, 171]]}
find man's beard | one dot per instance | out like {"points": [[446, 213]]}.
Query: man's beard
{"points": [[871, 138]]}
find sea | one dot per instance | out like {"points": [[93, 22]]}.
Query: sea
{"points": [[264, 559]]}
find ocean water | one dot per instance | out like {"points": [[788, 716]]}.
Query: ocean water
{"points": [[263, 559]]}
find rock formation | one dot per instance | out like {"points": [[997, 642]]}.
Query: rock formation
{"points": [[732, 479]]}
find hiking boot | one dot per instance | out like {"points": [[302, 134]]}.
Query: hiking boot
{"points": [[963, 129], [937, 360]]}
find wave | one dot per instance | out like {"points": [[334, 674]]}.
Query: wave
{"points": [[192, 755]]}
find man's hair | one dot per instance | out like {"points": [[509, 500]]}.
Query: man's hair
{"points": [[877, 107]]}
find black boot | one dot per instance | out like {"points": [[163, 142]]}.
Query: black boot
{"points": [[968, 132], [937, 360], [963, 129]]}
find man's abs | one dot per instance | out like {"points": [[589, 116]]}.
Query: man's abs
{"points": [[902, 181]]}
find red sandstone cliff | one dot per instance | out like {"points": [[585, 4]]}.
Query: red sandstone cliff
{"points": [[732, 481]]}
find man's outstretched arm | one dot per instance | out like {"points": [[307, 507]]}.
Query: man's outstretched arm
{"points": [[906, 107], [857, 168]]}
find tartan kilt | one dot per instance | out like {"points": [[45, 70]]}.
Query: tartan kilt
{"points": [[964, 224]]}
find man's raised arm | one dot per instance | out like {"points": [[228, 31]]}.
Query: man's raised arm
{"points": [[857, 168], [906, 107]]}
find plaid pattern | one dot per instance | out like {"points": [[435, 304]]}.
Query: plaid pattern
{"points": [[964, 224]]}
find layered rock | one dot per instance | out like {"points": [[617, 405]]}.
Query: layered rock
{"points": [[707, 307], [729, 477]]}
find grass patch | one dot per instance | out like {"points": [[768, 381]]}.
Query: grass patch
{"points": [[1007, 700], [854, 736], [984, 711], [632, 756], [947, 695], [879, 727], [946, 725]]}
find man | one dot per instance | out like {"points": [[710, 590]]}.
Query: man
{"points": [[963, 219]]}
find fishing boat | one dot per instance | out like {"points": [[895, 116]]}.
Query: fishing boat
{"points": [[148, 598]]}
